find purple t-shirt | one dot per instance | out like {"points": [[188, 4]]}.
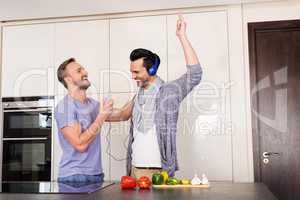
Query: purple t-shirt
{"points": [[69, 111]]}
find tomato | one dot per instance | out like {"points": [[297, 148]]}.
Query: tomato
{"points": [[144, 182], [128, 182]]}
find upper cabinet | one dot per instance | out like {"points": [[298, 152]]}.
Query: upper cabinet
{"points": [[128, 34], [28, 53], [32, 54], [88, 43], [207, 32]]}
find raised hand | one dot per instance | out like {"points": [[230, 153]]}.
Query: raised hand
{"points": [[189, 53], [181, 26], [106, 107]]}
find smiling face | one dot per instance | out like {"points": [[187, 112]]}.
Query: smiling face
{"points": [[139, 72], [76, 75]]}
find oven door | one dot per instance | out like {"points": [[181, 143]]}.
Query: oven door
{"points": [[26, 159], [26, 123]]}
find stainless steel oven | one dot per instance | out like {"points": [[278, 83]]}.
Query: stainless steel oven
{"points": [[26, 138]]}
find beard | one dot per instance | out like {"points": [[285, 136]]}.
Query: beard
{"points": [[141, 83], [83, 84]]}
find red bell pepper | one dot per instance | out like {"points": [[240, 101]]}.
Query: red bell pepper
{"points": [[128, 182], [144, 182]]}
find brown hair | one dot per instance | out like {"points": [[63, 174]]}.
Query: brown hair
{"points": [[61, 70]]}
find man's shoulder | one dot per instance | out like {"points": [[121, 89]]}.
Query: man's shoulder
{"points": [[169, 88], [94, 102], [65, 103], [168, 95]]}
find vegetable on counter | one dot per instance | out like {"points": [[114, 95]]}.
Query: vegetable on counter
{"points": [[204, 179], [128, 182], [165, 176], [185, 182], [144, 182], [172, 181], [196, 180], [157, 179]]}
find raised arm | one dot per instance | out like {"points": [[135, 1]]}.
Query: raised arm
{"points": [[189, 53], [183, 85]]}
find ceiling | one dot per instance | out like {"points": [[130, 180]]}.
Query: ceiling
{"points": [[37, 9]]}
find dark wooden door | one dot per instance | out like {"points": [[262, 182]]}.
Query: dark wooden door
{"points": [[274, 50]]}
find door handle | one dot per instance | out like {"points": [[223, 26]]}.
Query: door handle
{"points": [[268, 154]]}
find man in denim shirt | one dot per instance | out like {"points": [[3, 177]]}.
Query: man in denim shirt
{"points": [[154, 110]]}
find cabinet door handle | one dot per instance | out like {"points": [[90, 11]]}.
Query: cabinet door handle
{"points": [[29, 110], [20, 139]]}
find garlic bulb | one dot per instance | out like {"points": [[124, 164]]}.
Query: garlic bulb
{"points": [[204, 179], [196, 180]]}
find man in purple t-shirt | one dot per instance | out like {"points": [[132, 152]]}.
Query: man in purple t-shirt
{"points": [[79, 120]]}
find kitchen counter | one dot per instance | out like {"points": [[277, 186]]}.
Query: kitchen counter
{"points": [[217, 191]]}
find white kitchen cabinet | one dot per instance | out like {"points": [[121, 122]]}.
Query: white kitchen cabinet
{"points": [[204, 124], [204, 135], [128, 34], [88, 43], [208, 34], [27, 55], [118, 140]]}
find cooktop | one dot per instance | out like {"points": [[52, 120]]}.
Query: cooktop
{"points": [[52, 187]]}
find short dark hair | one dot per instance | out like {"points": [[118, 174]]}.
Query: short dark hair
{"points": [[149, 57], [61, 71]]}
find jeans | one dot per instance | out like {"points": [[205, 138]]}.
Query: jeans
{"points": [[82, 178]]}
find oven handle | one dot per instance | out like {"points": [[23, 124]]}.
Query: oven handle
{"points": [[28, 110], [22, 139]]}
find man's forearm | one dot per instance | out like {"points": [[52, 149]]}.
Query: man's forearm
{"points": [[91, 132], [121, 114], [189, 53], [116, 115]]}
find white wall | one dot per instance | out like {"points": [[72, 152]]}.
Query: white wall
{"points": [[35, 9]]}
